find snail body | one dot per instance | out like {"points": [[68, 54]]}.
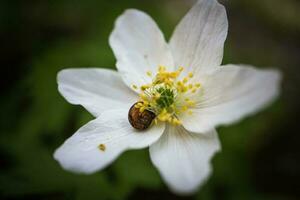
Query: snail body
{"points": [[140, 120]]}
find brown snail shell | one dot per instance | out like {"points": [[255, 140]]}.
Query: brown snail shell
{"points": [[140, 120]]}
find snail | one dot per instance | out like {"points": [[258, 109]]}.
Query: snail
{"points": [[140, 120]]}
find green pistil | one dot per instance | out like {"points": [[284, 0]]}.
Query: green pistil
{"points": [[166, 98]]}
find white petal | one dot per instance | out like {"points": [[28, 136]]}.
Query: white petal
{"points": [[139, 46], [95, 89], [81, 153], [231, 93], [183, 158], [198, 41]]}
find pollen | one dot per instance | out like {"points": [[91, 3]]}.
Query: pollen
{"points": [[102, 147], [149, 73], [134, 87], [167, 96]]}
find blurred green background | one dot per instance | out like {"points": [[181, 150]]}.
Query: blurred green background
{"points": [[260, 157]]}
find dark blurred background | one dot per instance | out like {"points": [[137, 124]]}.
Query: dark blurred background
{"points": [[260, 157]]}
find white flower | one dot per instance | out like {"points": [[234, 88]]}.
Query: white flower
{"points": [[181, 82]]}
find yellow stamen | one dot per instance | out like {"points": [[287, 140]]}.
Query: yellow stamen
{"points": [[185, 80], [184, 108], [198, 85], [164, 95], [142, 109]]}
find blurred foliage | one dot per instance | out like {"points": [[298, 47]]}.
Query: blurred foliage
{"points": [[38, 38]]}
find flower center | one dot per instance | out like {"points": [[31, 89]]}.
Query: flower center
{"points": [[167, 96]]}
